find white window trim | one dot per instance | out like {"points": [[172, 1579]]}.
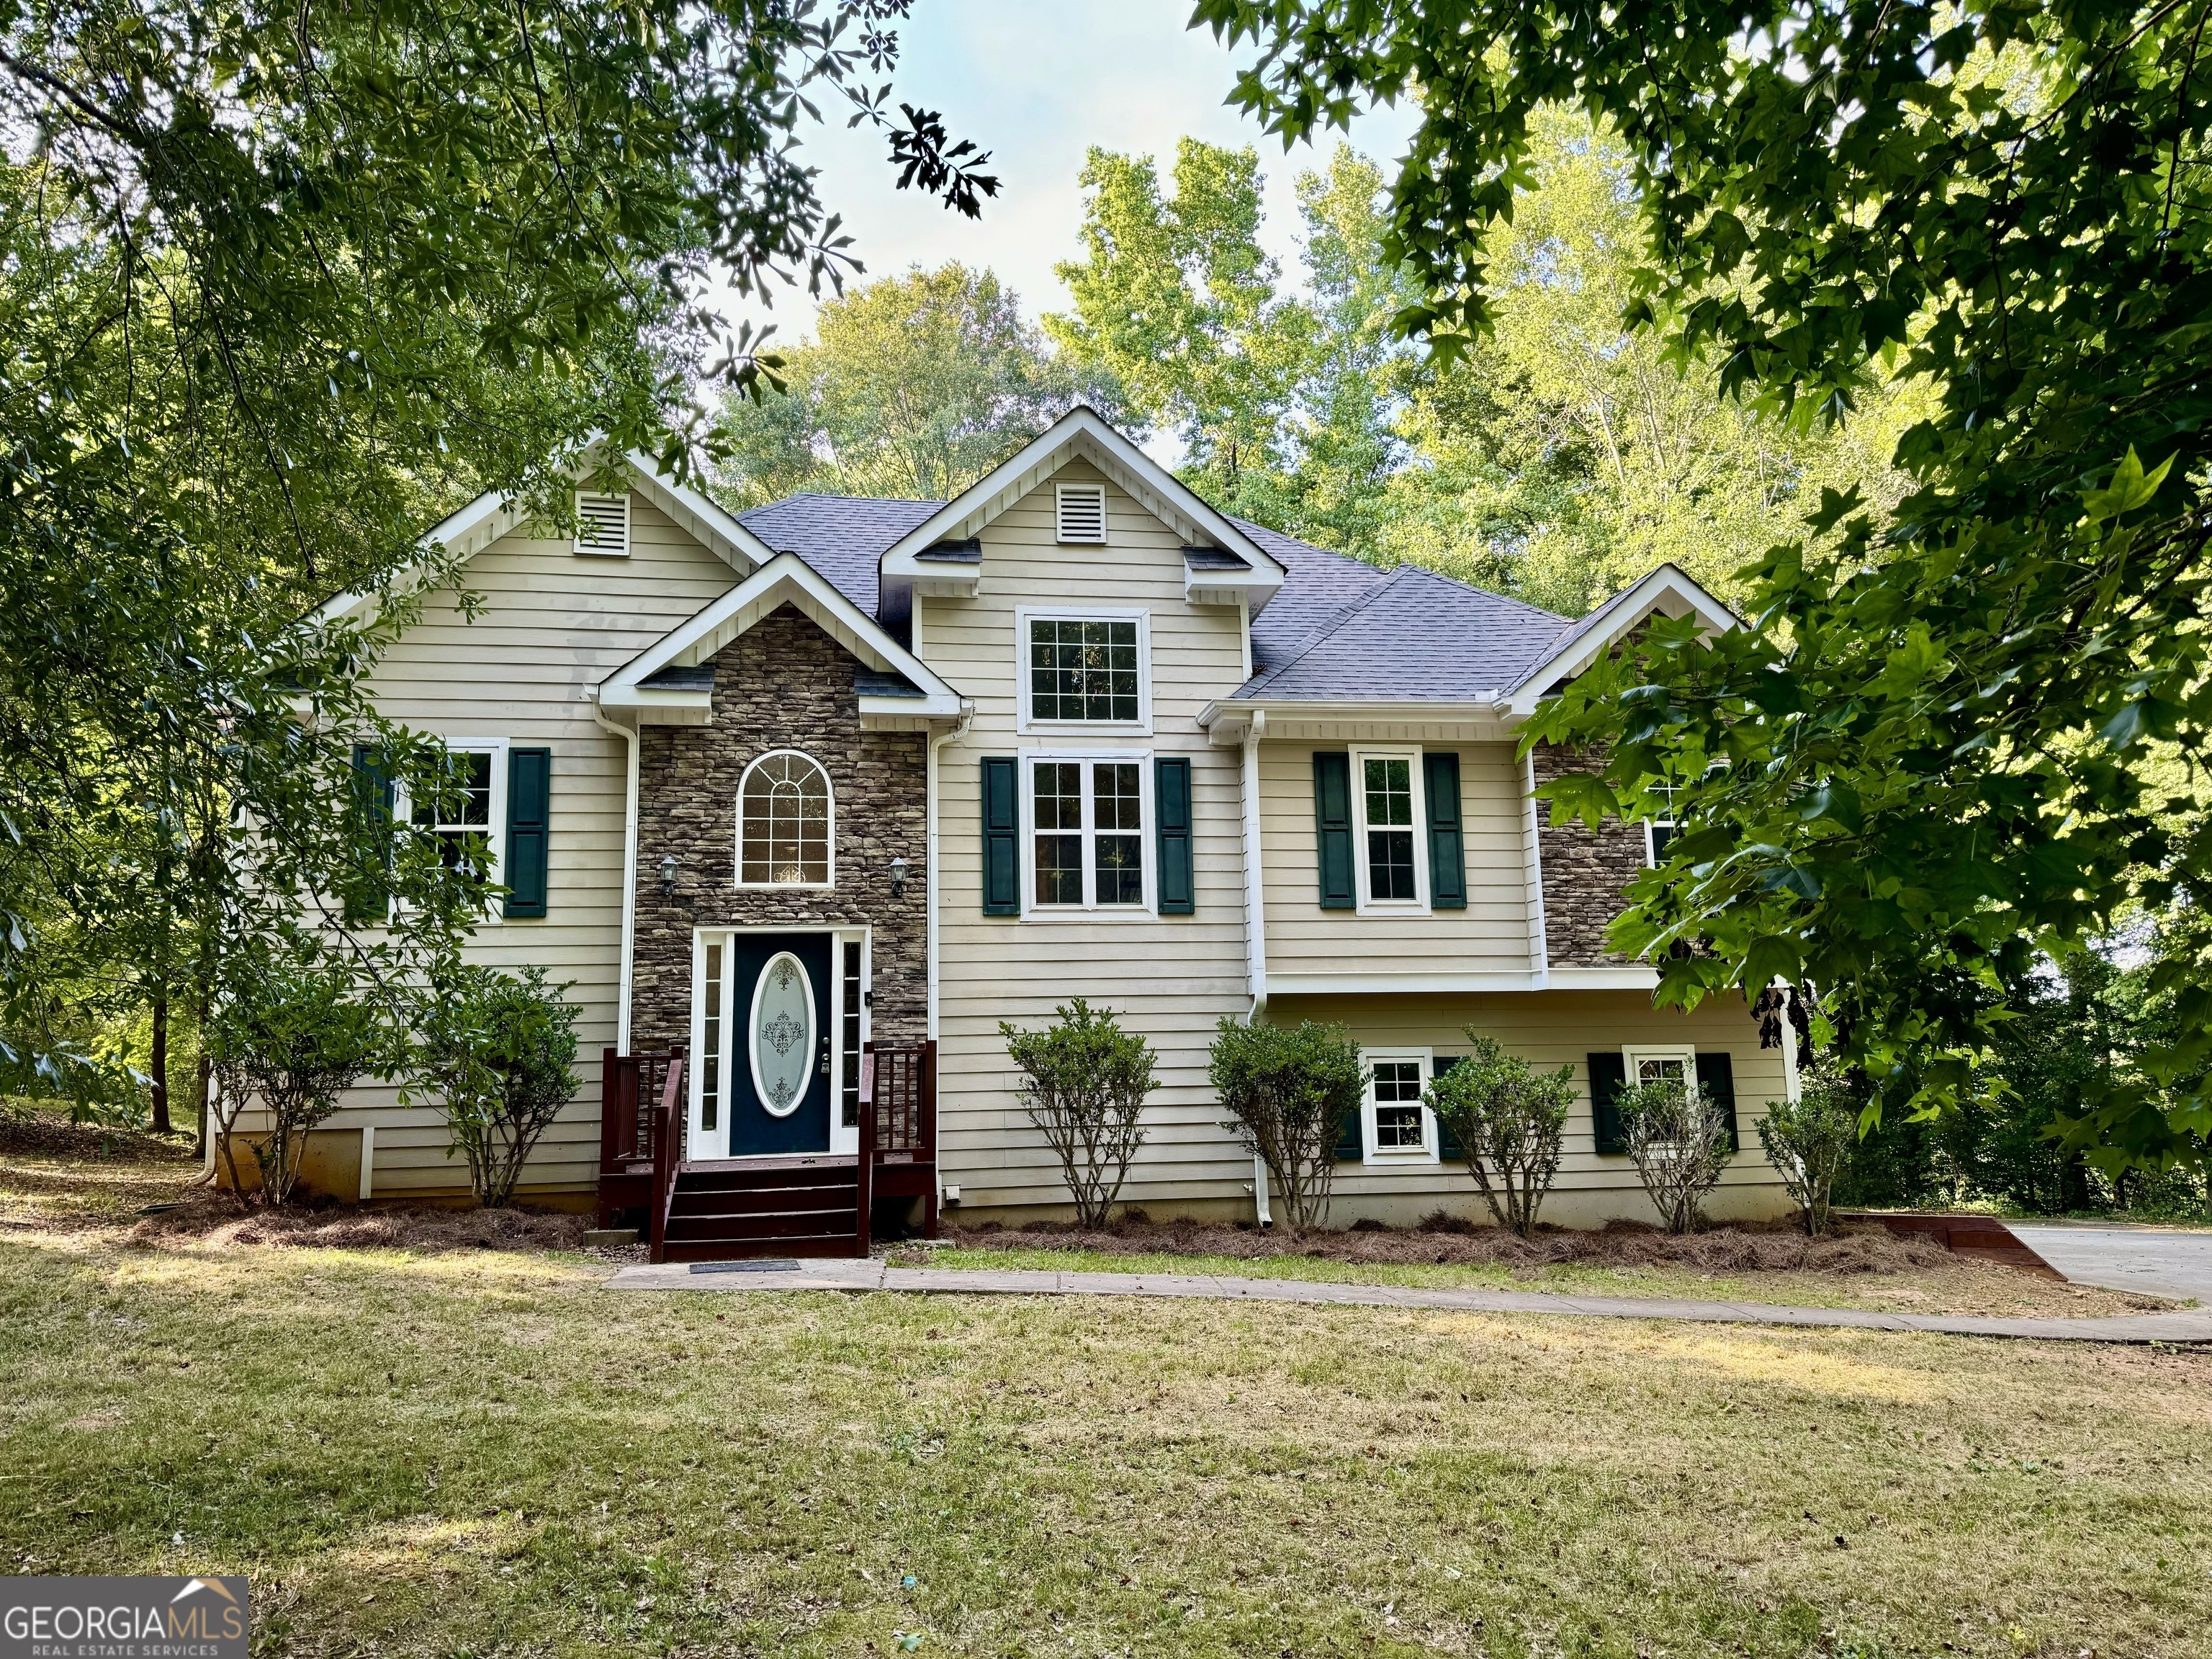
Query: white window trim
{"points": [[1369, 905], [1090, 911], [700, 1143], [403, 808], [738, 868], [1060, 494], [1025, 724], [1632, 1053], [1431, 1142]]}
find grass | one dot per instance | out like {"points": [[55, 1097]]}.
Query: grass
{"points": [[1956, 1287], [468, 1452]]}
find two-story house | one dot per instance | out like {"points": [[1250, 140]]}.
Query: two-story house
{"points": [[822, 792]]}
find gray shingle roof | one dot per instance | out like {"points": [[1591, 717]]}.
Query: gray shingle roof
{"points": [[1340, 630], [843, 537]]}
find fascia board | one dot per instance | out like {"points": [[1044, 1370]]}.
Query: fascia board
{"points": [[1666, 590], [785, 577], [934, 706], [1084, 429], [1492, 710], [723, 536]]}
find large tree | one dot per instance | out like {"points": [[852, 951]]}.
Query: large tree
{"points": [[1919, 769], [914, 386], [278, 286]]}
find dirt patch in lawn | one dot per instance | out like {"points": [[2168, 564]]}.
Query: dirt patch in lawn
{"points": [[1451, 1241]]}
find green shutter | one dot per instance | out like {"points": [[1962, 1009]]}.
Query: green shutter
{"points": [[1716, 1077], [1002, 836], [1171, 812], [1447, 850], [1332, 771], [1448, 1146], [367, 895], [1608, 1076], [1352, 1139], [529, 807]]}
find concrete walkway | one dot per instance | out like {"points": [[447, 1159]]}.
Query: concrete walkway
{"points": [[876, 1276], [2151, 1260]]}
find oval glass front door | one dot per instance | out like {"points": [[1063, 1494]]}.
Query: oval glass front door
{"points": [[780, 1035]]}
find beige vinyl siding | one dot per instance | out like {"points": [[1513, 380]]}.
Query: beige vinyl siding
{"points": [[1172, 978], [552, 624], [1490, 936], [1552, 1029]]}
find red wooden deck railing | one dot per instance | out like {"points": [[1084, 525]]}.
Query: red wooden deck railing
{"points": [[631, 1088], [899, 1123]]}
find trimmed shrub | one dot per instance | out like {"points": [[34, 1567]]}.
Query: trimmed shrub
{"points": [[1809, 1141], [1679, 1138], [1508, 1119], [292, 1037], [1084, 1083], [1289, 1090], [499, 1050]]}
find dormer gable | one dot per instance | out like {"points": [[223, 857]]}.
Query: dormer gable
{"points": [[943, 556]]}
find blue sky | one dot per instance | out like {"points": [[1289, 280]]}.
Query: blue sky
{"points": [[1038, 83]]}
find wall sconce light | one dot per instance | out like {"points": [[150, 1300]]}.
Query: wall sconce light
{"points": [[668, 875], [898, 877]]}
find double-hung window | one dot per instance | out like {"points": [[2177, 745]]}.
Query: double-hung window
{"points": [[465, 810], [1087, 817], [1389, 817], [1659, 830], [1398, 1127], [1084, 670]]}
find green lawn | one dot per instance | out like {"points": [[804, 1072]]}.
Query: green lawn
{"points": [[474, 1453], [1958, 1286]]}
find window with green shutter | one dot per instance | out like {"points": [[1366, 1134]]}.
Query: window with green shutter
{"points": [[1352, 1139], [529, 825], [1002, 836], [1716, 1077], [1172, 814], [1447, 846], [367, 895], [1608, 1076], [1332, 771]]}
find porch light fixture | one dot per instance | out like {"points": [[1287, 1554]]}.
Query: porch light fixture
{"points": [[668, 875], [898, 877]]}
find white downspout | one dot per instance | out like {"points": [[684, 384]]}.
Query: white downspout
{"points": [[1255, 924], [931, 889], [1255, 914], [629, 735]]}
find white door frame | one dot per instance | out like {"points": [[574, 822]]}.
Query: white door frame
{"points": [[702, 1143]]}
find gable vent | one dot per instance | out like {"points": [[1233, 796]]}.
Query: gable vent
{"points": [[1082, 513], [603, 525]]}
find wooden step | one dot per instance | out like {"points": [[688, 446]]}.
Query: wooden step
{"points": [[773, 1225], [764, 1199]]}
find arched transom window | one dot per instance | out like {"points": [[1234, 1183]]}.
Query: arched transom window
{"points": [[783, 822]]}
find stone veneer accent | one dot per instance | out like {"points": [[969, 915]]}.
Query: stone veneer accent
{"points": [[783, 683], [1585, 872]]}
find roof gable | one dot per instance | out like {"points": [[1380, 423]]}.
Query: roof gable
{"points": [[659, 684], [470, 530], [1082, 432]]}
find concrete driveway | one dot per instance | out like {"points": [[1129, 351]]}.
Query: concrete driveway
{"points": [[2147, 1259]]}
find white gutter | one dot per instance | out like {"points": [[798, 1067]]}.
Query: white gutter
{"points": [[930, 889], [630, 880]]}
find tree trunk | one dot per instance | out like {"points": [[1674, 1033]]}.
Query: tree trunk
{"points": [[158, 1062]]}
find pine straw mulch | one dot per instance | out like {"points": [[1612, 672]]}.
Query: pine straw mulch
{"points": [[1452, 1241], [215, 1221], [49, 1134]]}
